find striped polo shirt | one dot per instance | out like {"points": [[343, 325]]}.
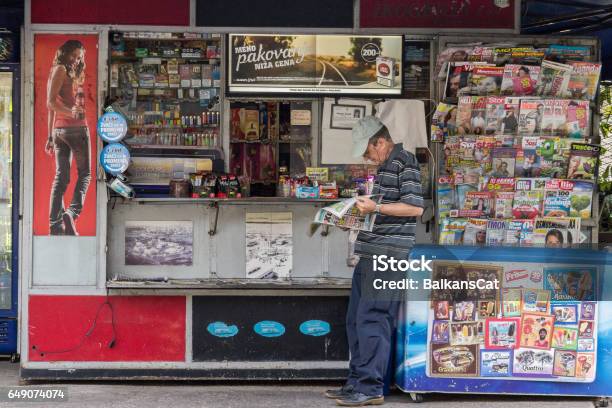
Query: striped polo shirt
{"points": [[399, 181]]}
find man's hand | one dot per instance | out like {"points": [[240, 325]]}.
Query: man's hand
{"points": [[365, 205]]}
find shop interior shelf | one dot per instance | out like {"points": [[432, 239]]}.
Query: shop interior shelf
{"points": [[152, 146], [317, 283]]}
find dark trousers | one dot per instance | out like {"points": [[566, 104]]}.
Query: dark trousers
{"points": [[69, 142], [369, 326]]}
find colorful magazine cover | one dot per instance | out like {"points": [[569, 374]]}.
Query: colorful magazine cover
{"points": [[556, 203], [461, 192], [510, 121], [520, 80], [464, 115], [527, 204], [503, 162], [583, 161], [495, 115], [584, 81], [554, 79], [567, 53], [519, 232], [577, 119], [527, 163], [475, 232], [571, 284], [451, 54], [518, 55], [556, 232], [478, 121], [496, 232], [536, 330], [530, 117], [502, 333], [485, 80], [443, 122], [480, 201], [452, 230], [458, 78], [531, 184], [581, 199], [503, 204], [446, 196], [497, 184]]}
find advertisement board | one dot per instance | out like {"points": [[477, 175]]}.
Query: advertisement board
{"points": [[315, 64]]}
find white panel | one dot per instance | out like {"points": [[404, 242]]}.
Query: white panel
{"points": [[64, 261]]}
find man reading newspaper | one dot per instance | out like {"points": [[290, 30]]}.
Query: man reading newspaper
{"points": [[370, 321]]}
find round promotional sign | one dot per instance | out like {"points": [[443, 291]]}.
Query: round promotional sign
{"points": [[112, 127], [115, 158]]}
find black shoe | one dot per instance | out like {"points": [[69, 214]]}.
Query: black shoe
{"points": [[358, 399], [69, 225], [339, 393], [57, 230]]}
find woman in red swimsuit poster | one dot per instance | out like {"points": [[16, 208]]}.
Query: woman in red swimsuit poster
{"points": [[65, 118]]}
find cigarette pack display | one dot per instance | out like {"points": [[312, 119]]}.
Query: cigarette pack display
{"points": [[495, 363], [172, 66], [583, 161], [496, 232], [536, 331], [206, 75], [554, 79], [475, 232], [584, 80], [443, 122], [196, 76], [520, 80], [527, 204], [185, 73], [565, 363]]}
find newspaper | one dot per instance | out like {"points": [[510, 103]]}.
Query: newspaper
{"points": [[345, 214]]}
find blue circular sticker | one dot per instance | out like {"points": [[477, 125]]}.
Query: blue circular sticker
{"points": [[222, 329], [269, 328], [112, 127], [115, 158], [315, 328]]}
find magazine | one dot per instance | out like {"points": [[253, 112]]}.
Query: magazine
{"points": [[519, 232], [584, 80], [520, 80], [527, 163], [557, 231], [503, 204], [567, 53], [553, 117], [478, 115], [518, 55], [531, 184], [556, 203], [452, 230], [482, 151], [497, 184], [496, 231], [478, 201], [482, 54], [462, 190], [530, 117], [475, 232], [485, 80], [503, 162], [510, 121], [583, 161], [464, 115], [451, 54], [446, 196], [495, 115], [554, 79], [443, 122], [346, 215], [577, 119], [581, 199], [458, 79], [527, 204]]}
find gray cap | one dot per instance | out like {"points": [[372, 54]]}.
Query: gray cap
{"points": [[363, 130]]}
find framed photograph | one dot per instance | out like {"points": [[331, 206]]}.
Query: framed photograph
{"points": [[464, 334], [533, 363], [454, 361], [502, 333], [440, 332], [345, 116], [536, 301], [464, 311], [565, 363], [536, 331], [441, 310], [565, 338], [511, 302], [495, 363], [586, 345], [565, 313], [587, 311], [585, 329], [585, 366], [487, 308]]}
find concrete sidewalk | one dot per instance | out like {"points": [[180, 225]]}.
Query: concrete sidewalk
{"points": [[268, 395]]}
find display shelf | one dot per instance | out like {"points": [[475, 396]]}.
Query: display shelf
{"points": [[231, 201], [231, 283], [208, 126], [152, 146], [135, 59]]}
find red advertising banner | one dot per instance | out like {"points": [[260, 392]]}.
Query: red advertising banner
{"points": [[452, 14], [65, 117], [141, 12]]}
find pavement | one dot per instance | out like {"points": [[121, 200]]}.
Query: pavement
{"points": [[232, 395]]}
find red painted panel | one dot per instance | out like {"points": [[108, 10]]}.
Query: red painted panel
{"points": [[463, 14], [147, 328], [139, 12]]}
